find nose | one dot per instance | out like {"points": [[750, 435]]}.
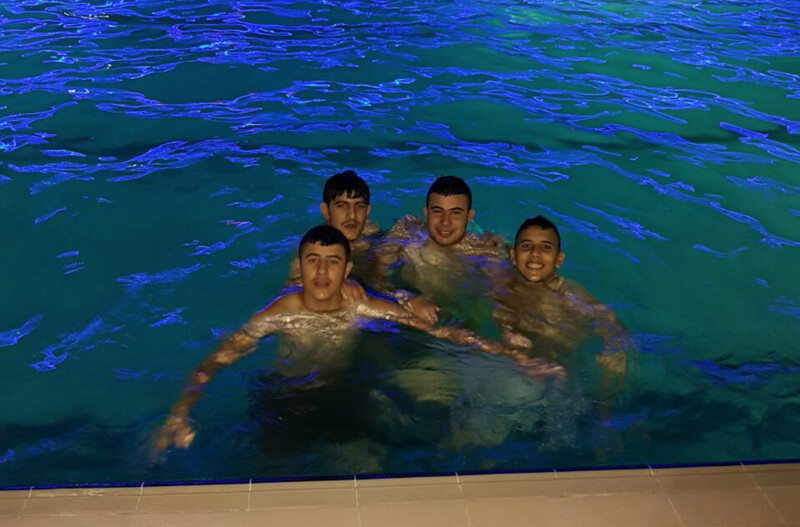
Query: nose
{"points": [[322, 268], [349, 212], [446, 220]]}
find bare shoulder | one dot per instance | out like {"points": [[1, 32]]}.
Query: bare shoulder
{"points": [[288, 303]]}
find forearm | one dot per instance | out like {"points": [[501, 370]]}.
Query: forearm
{"points": [[237, 346]]}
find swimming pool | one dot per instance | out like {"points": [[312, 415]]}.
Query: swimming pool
{"points": [[159, 161]]}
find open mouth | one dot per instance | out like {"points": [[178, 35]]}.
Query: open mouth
{"points": [[320, 284]]}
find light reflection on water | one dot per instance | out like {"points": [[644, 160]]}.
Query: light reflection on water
{"points": [[158, 162]]}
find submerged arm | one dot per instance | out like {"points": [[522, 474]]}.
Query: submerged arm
{"points": [[464, 337], [177, 429]]}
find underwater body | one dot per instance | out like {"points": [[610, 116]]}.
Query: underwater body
{"points": [[159, 162]]}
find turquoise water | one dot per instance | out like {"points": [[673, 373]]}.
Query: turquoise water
{"points": [[158, 162]]}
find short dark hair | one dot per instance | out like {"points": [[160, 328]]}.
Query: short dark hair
{"points": [[326, 236], [538, 221], [450, 186], [347, 182]]}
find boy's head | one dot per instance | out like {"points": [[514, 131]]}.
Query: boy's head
{"points": [[448, 210], [345, 203], [324, 262], [537, 250]]}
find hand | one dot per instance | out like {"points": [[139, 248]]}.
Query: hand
{"points": [[352, 292], [538, 368], [515, 340], [422, 309], [613, 361], [176, 432]]}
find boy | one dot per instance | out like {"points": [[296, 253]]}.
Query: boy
{"points": [[318, 323], [559, 312], [346, 206], [441, 257]]}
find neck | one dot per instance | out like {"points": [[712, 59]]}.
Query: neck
{"points": [[334, 303]]}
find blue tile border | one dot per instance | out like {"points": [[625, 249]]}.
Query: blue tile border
{"points": [[376, 476]]}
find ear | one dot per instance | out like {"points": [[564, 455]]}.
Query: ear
{"points": [[347, 269], [326, 213], [369, 209], [560, 260], [425, 212], [470, 215], [512, 256]]}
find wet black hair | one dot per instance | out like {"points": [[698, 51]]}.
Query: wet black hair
{"points": [[539, 221], [348, 183], [326, 236], [450, 186]]}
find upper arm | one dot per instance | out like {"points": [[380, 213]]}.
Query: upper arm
{"points": [[265, 321]]}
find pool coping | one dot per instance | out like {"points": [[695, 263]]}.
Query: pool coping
{"points": [[765, 494]]}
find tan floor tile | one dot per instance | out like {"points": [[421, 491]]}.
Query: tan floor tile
{"points": [[91, 520], [787, 501], [629, 510], [596, 474], [634, 485], [11, 507], [81, 505], [101, 491], [306, 517], [194, 519], [303, 498], [522, 512], [730, 508], [365, 483], [419, 514], [305, 485], [529, 476], [14, 494], [782, 467], [783, 478], [694, 482], [511, 489], [725, 469], [424, 493], [193, 489], [9, 522], [224, 501]]}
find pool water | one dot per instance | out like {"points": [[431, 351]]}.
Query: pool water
{"points": [[159, 161]]}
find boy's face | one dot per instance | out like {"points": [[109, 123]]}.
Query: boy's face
{"points": [[323, 269], [349, 215], [448, 217], [536, 254]]}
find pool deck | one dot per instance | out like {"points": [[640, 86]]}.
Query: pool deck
{"points": [[736, 495]]}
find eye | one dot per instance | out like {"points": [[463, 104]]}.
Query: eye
{"points": [[340, 205], [361, 206]]}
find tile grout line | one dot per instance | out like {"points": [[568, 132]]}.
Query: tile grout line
{"points": [[139, 497], [358, 504], [771, 504], [461, 494], [666, 495]]}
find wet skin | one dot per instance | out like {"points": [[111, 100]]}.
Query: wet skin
{"points": [[447, 218], [536, 254], [347, 214]]}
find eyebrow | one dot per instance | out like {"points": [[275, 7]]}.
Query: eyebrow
{"points": [[437, 207], [320, 256]]}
